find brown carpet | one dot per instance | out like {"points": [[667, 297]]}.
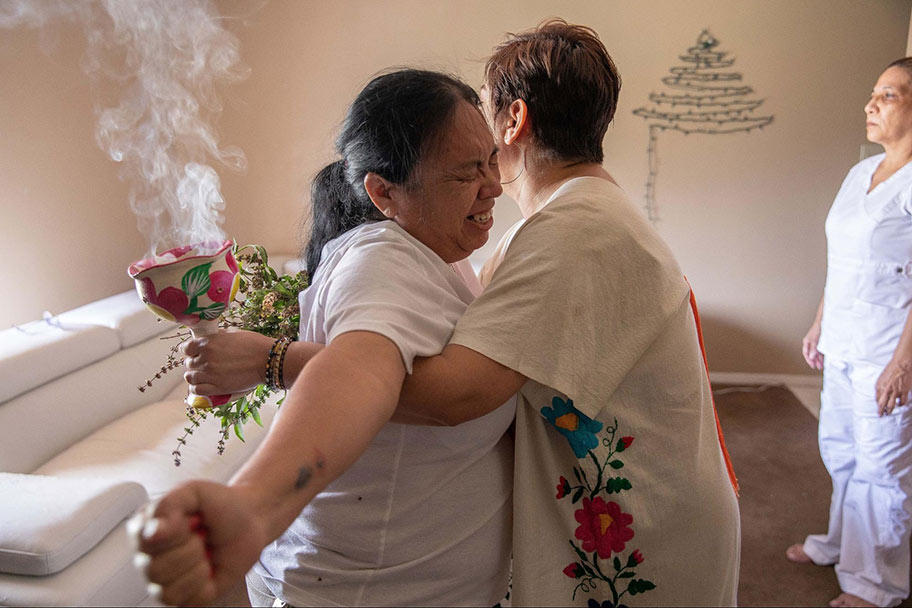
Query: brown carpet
{"points": [[785, 494]]}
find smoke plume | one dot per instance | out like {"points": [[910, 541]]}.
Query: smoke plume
{"points": [[166, 60]]}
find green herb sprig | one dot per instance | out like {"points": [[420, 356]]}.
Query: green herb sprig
{"points": [[267, 303]]}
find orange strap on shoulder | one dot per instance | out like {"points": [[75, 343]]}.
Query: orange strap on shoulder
{"points": [[728, 463]]}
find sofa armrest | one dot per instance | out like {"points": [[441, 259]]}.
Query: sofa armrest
{"points": [[50, 522]]}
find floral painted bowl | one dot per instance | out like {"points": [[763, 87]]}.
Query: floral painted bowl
{"points": [[191, 285]]}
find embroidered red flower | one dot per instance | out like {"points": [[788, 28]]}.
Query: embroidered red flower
{"points": [[624, 443], [637, 557], [603, 527], [574, 570], [563, 488]]}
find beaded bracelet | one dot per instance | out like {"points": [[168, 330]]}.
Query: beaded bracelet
{"points": [[275, 364], [280, 372], [269, 360]]}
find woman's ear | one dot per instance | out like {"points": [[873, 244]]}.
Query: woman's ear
{"points": [[517, 121], [380, 192]]}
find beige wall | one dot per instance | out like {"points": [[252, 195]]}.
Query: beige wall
{"points": [[909, 40], [67, 233], [743, 212]]}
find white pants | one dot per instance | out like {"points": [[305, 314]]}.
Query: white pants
{"points": [[869, 458]]}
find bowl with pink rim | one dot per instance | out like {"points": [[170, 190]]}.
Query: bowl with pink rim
{"points": [[191, 285]]}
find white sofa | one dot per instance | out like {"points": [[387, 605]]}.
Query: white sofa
{"points": [[81, 448]]}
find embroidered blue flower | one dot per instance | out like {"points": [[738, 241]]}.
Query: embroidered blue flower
{"points": [[578, 428]]}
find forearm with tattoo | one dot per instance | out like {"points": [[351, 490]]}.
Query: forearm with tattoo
{"points": [[306, 473]]}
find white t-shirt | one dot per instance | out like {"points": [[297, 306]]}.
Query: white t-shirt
{"points": [[868, 289], [424, 516]]}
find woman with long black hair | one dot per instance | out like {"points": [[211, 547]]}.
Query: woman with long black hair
{"points": [[351, 508]]}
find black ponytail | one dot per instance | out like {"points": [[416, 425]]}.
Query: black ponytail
{"points": [[388, 126], [336, 209]]}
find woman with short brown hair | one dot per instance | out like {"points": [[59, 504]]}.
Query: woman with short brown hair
{"points": [[622, 491]]}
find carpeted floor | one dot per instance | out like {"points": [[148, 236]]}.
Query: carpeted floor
{"points": [[785, 493]]}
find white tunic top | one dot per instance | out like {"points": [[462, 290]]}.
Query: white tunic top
{"points": [[621, 492], [423, 517], [869, 266]]}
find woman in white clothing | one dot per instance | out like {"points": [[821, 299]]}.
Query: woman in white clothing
{"points": [[862, 340], [347, 507]]}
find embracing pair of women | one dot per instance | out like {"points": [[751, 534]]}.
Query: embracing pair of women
{"points": [[389, 476]]}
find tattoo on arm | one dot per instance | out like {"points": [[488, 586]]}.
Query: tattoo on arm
{"points": [[304, 476], [307, 472]]}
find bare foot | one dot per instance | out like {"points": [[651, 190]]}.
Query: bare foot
{"points": [[796, 554], [847, 599]]}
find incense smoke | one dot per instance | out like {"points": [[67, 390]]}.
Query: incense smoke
{"points": [[166, 58]]}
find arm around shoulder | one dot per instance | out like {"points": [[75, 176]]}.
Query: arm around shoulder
{"points": [[458, 385]]}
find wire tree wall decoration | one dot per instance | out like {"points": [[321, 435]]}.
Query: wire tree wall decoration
{"points": [[711, 102]]}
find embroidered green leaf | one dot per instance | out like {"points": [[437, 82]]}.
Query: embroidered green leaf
{"points": [[617, 563], [617, 484], [589, 571], [616, 464], [196, 281], [632, 560], [638, 585], [626, 574], [585, 477], [584, 562], [577, 473], [577, 495], [579, 552]]}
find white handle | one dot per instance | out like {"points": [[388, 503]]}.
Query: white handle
{"points": [[205, 328]]}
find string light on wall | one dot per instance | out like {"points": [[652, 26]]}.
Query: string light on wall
{"points": [[707, 103]]}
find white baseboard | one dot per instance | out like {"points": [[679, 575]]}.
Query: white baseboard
{"points": [[806, 387]]}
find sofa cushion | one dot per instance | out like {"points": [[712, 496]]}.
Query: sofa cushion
{"points": [[124, 313], [70, 408], [38, 352], [50, 522], [138, 446], [105, 576]]}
